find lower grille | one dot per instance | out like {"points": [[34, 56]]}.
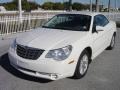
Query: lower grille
{"points": [[28, 52]]}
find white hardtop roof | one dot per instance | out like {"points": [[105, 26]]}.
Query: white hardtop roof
{"points": [[84, 13]]}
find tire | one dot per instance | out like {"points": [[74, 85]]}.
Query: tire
{"points": [[82, 63], [112, 43]]}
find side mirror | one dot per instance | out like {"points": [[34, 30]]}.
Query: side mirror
{"points": [[99, 28]]}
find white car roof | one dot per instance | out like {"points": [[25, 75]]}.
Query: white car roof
{"points": [[84, 13]]}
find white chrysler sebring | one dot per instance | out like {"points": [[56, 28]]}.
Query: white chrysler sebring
{"points": [[64, 46]]}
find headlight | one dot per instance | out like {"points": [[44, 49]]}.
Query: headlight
{"points": [[14, 44], [59, 54]]}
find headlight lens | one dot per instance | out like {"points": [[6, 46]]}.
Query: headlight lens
{"points": [[60, 54], [14, 44]]}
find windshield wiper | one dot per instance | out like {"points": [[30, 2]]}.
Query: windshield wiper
{"points": [[47, 27], [64, 28], [44, 27]]}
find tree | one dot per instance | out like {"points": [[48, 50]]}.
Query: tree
{"points": [[53, 6], [48, 5], [79, 6], [27, 6], [58, 6]]}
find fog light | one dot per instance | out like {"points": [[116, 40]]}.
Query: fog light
{"points": [[54, 76]]}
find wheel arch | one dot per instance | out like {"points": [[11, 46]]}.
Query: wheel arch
{"points": [[89, 50]]}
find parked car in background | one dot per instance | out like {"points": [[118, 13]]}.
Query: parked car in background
{"points": [[64, 46]]}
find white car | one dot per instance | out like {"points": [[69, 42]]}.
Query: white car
{"points": [[64, 46]]}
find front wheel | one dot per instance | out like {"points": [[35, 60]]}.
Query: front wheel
{"points": [[82, 65]]}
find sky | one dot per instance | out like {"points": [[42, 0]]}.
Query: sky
{"points": [[104, 2]]}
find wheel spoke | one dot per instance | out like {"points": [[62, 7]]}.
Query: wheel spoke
{"points": [[113, 42], [84, 64]]}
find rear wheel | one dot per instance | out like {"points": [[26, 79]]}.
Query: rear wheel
{"points": [[112, 44], [82, 65]]}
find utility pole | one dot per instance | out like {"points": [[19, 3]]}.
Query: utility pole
{"points": [[115, 5], [91, 5], [97, 5], [20, 10], [63, 5], [109, 3], [70, 5]]}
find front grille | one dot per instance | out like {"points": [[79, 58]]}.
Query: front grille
{"points": [[28, 52]]}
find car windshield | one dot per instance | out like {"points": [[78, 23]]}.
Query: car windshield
{"points": [[73, 22]]}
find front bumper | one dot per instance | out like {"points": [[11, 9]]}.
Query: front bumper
{"points": [[47, 69]]}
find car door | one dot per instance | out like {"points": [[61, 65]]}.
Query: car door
{"points": [[100, 37]]}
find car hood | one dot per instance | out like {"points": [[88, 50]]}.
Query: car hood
{"points": [[49, 38]]}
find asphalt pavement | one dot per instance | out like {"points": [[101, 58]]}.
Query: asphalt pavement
{"points": [[103, 73]]}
